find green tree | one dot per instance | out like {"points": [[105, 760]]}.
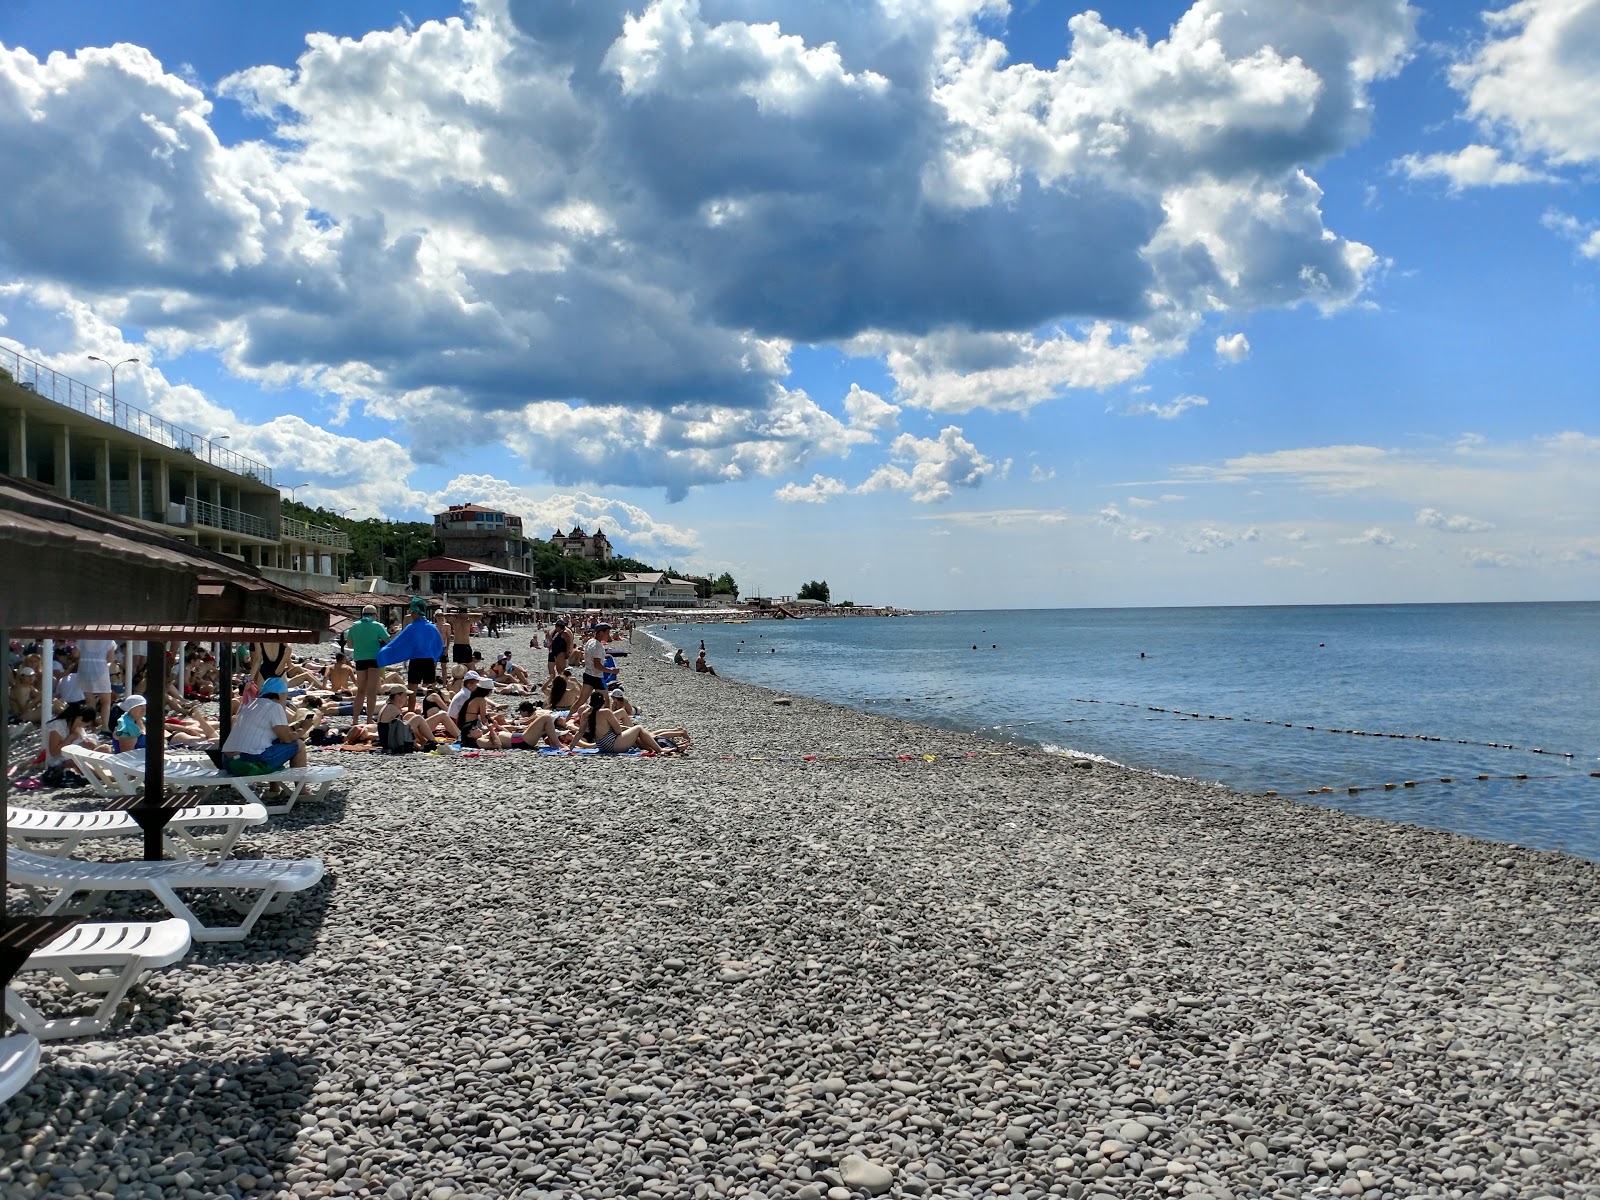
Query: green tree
{"points": [[725, 583], [816, 589]]}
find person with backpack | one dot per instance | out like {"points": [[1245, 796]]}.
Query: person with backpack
{"points": [[401, 731]]}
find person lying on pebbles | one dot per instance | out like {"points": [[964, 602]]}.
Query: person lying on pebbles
{"points": [[541, 726]]}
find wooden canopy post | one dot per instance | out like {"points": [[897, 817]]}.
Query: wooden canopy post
{"points": [[150, 810], [224, 691]]}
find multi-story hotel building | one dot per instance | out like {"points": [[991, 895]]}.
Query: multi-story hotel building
{"points": [[90, 447]]}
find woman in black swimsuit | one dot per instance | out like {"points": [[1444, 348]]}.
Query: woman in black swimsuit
{"points": [[270, 666], [436, 712]]}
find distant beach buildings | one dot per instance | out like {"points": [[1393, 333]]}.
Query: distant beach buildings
{"points": [[595, 547]]}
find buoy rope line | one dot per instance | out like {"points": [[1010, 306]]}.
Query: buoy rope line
{"points": [[1412, 783], [1410, 737]]}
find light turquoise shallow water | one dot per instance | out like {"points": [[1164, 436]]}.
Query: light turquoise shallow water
{"points": [[1523, 675]]}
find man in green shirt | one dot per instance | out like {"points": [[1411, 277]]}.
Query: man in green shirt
{"points": [[366, 636]]}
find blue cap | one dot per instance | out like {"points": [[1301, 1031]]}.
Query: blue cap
{"points": [[274, 687]]}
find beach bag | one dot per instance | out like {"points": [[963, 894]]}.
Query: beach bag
{"points": [[398, 738]]}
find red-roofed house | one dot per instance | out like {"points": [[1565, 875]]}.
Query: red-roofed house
{"points": [[474, 584]]}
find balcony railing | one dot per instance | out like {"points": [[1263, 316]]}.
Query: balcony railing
{"points": [[319, 535], [203, 512], [92, 402]]}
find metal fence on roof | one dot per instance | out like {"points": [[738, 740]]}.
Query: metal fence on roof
{"points": [[71, 393]]}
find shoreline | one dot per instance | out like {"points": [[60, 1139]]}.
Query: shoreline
{"points": [[808, 958]]}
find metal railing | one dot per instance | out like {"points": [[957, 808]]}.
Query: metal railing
{"points": [[203, 512], [320, 535], [92, 402]]}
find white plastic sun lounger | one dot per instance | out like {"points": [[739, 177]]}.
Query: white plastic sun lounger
{"points": [[93, 766], [97, 958], [301, 783], [190, 832], [81, 884], [19, 1059], [116, 775]]}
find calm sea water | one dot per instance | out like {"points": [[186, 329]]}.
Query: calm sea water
{"points": [[1087, 680]]}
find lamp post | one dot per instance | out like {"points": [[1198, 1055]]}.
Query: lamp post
{"points": [[296, 488], [113, 366]]}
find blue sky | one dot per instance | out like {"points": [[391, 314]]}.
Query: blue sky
{"points": [[953, 304]]}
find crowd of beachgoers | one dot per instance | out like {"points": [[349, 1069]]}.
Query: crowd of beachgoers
{"points": [[828, 954], [563, 693]]}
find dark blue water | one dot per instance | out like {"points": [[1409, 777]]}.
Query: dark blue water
{"points": [[1521, 675]]}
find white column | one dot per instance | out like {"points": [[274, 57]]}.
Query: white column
{"points": [[47, 681]]}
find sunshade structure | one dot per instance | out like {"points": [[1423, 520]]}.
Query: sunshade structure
{"points": [[70, 570]]}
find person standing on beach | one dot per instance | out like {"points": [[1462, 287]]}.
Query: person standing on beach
{"points": [[366, 637], [460, 622], [443, 626], [560, 647], [94, 673], [594, 663]]}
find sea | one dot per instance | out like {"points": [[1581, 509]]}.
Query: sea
{"points": [[1475, 718]]}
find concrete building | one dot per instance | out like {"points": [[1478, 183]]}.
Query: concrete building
{"points": [[473, 584], [88, 447], [642, 589], [484, 535]]}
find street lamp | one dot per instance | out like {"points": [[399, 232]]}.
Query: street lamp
{"points": [[295, 488], [113, 366]]}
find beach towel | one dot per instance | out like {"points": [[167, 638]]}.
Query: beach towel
{"points": [[420, 639], [591, 750]]}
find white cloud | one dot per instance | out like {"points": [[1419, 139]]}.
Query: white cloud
{"points": [[1471, 166], [1112, 515], [995, 518], [1233, 347], [1285, 562], [1141, 502], [1432, 518], [1585, 235], [1489, 558], [1141, 535], [1295, 535], [1533, 80], [936, 466], [819, 491], [1167, 412], [1038, 474], [505, 213], [869, 411], [1374, 536]]}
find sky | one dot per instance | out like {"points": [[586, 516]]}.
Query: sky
{"points": [[951, 303]]}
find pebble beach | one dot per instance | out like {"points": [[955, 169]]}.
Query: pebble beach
{"points": [[834, 955]]}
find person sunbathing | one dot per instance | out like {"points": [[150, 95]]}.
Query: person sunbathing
{"points": [[74, 727], [606, 733], [342, 677], [398, 708], [436, 711], [479, 730], [540, 726], [504, 670], [23, 699]]}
